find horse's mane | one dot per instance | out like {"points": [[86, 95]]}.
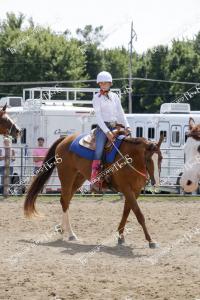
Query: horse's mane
{"points": [[135, 141]]}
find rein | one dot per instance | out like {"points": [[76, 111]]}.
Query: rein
{"points": [[129, 164], [9, 130]]}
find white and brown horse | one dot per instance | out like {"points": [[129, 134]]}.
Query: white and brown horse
{"points": [[191, 173]]}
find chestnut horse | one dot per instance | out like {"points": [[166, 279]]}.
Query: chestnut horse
{"points": [[73, 170], [7, 126]]}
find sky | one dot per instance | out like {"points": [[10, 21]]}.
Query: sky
{"points": [[155, 21]]}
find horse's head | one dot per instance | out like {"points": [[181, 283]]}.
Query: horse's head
{"points": [[191, 174], [194, 130], [151, 153], [154, 158], [7, 126]]}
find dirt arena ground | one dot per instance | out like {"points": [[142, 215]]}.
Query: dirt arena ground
{"points": [[35, 263]]}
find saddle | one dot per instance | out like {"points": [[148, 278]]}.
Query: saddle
{"points": [[89, 141]]}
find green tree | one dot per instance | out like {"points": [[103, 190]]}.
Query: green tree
{"points": [[40, 55]]}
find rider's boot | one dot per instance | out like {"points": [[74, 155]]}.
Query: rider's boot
{"points": [[95, 183]]}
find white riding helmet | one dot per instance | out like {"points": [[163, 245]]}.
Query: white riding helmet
{"points": [[104, 77]]}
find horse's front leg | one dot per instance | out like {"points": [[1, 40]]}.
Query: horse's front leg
{"points": [[132, 202], [126, 211]]}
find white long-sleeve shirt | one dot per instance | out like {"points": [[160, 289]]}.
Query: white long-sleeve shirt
{"points": [[108, 110]]}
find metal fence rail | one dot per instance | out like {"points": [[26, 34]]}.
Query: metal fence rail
{"points": [[15, 178]]}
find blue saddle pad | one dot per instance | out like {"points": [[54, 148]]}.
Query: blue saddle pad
{"points": [[89, 154]]}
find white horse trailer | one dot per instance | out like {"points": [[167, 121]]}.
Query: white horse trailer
{"points": [[55, 112]]}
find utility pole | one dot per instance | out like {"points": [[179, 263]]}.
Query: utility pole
{"points": [[130, 98]]}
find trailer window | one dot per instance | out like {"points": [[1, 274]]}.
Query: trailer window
{"points": [[186, 136], [139, 132], [176, 135], [14, 140], [93, 126], [151, 133], [164, 134], [15, 102]]}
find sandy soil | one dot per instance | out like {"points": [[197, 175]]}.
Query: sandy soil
{"points": [[35, 263]]}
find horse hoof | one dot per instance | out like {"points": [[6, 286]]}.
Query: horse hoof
{"points": [[121, 240], [73, 238], [58, 229], [152, 245]]}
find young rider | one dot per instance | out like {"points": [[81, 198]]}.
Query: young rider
{"points": [[108, 111]]}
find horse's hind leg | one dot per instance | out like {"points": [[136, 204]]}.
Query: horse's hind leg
{"points": [[66, 225], [67, 194]]}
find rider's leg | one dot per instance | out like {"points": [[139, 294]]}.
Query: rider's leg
{"points": [[101, 139]]}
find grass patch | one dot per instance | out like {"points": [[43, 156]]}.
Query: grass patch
{"points": [[113, 198]]}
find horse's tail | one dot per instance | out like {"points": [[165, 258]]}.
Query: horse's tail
{"points": [[40, 179]]}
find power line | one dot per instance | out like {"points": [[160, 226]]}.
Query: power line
{"points": [[8, 83], [166, 81]]}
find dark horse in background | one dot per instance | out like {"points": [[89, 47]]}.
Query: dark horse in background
{"points": [[73, 170], [7, 126]]}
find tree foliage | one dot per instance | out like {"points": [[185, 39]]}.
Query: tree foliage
{"points": [[35, 53]]}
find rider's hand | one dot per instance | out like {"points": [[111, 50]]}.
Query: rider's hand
{"points": [[110, 136]]}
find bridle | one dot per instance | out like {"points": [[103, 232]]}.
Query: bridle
{"points": [[195, 135]]}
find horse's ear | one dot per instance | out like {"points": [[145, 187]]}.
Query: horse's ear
{"points": [[4, 107], [161, 139], [152, 147], [191, 123]]}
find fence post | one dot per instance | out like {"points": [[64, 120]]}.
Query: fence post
{"points": [[21, 169], [6, 178]]}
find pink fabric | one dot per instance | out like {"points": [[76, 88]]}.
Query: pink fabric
{"points": [[95, 169], [39, 152], [95, 164]]}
